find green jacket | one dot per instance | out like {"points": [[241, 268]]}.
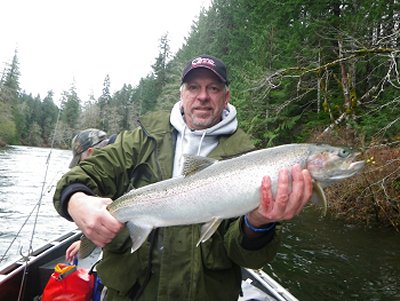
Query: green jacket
{"points": [[180, 270]]}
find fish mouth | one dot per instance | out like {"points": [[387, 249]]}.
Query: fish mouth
{"points": [[356, 166], [351, 169]]}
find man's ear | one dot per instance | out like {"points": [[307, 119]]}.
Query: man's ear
{"points": [[90, 151], [227, 98]]}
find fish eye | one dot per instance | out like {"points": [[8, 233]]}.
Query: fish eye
{"points": [[344, 152]]}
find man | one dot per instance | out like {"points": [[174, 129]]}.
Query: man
{"points": [[83, 145], [168, 266]]}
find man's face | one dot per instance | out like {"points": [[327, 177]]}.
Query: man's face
{"points": [[204, 97]]}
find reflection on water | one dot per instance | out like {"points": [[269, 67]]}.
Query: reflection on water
{"points": [[320, 258], [326, 259]]}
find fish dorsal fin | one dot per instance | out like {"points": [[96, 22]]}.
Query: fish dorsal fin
{"points": [[319, 195], [193, 164]]}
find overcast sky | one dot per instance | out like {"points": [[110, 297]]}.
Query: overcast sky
{"points": [[64, 41]]}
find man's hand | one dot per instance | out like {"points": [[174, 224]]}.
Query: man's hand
{"points": [[92, 217], [290, 198], [72, 251]]}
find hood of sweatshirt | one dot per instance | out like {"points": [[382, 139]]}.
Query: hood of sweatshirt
{"points": [[199, 142]]}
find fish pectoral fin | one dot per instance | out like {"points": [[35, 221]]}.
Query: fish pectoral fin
{"points": [[318, 196], [86, 248], [208, 229], [138, 234]]}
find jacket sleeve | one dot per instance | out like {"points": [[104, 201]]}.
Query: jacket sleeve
{"points": [[251, 253]]}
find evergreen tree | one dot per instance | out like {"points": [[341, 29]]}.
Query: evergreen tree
{"points": [[90, 115], [48, 118], [126, 108], [9, 92], [9, 83], [104, 103], [150, 88], [8, 130], [70, 109], [146, 93]]}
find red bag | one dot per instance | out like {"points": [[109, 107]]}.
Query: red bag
{"points": [[69, 283]]}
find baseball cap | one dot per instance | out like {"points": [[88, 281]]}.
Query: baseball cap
{"points": [[82, 141], [209, 62]]}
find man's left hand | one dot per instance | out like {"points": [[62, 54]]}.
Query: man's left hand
{"points": [[292, 194]]}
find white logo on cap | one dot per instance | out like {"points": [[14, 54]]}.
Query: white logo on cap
{"points": [[203, 61]]}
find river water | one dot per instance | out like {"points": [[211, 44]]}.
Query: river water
{"points": [[22, 174], [320, 258]]}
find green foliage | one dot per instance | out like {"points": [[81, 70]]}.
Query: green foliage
{"points": [[48, 118], [380, 123], [9, 83], [7, 125], [104, 102], [70, 107], [31, 111], [7, 131], [310, 123], [35, 135], [147, 93], [126, 107]]}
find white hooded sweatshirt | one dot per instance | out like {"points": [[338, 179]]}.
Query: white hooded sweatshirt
{"points": [[199, 142]]}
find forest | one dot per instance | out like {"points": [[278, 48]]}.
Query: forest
{"points": [[301, 71]]}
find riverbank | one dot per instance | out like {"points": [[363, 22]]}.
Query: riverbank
{"points": [[373, 197]]}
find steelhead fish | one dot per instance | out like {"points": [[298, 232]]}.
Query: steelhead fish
{"points": [[210, 190]]}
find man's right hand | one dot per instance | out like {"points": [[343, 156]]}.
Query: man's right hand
{"points": [[92, 217]]}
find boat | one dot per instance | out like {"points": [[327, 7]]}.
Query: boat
{"points": [[25, 278]]}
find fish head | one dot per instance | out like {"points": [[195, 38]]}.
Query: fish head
{"points": [[328, 164]]}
